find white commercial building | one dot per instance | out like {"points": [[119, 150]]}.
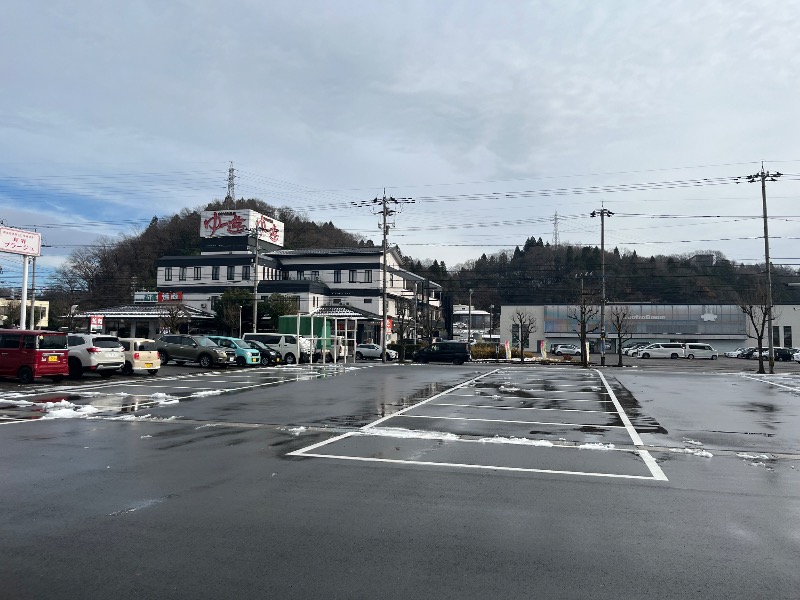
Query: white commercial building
{"points": [[724, 326]]}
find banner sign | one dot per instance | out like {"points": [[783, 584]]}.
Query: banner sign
{"points": [[145, 297], [96, 323], [228, 223], [17, 241], [170, 296]]}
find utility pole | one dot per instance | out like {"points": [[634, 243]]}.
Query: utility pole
{"points": [[33, 295], [603, 212], [381, 205], [256, 231], [469, 319], [765, 176]]}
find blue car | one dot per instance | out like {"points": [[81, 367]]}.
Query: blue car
{"points": [[245, 355]]}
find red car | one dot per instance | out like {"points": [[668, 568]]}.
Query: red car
{"points": [[28, 354]]}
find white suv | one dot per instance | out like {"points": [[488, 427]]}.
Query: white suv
{"points": [[94, 353], [662, 350], [569, 349]]}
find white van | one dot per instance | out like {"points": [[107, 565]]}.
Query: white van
{"points": [[287, 344], [694, 350], [662, 350]]}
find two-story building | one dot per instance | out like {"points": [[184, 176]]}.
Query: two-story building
{"points": [[242, 249]]}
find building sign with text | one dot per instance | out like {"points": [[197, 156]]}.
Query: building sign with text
{"points": [[170, 296], [238, 223], [17, 241]]}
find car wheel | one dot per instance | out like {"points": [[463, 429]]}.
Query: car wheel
{"points": [[163, 356], [458, 361], [205, 361], [559, 353], [713, 357], [240, 361], [25, 375], [646, 355], [690, 357], [359, 356], [152, 371], [289, 359], [127, 368], [75, 368]]}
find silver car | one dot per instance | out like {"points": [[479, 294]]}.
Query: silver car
{"points": [[373, 351]]}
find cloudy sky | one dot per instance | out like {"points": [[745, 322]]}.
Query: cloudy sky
{"points": [[493, 116]]}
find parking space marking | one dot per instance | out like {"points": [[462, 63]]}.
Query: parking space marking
{"points": [[637, 441], [763, 379], [471, 466], [492, 406], [655, 471], [511, 421]]}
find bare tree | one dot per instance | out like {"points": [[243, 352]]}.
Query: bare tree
{"points": [[621, 322], [172, 315], [405, 323], [523, 324], [583, 314], [755, 304]]}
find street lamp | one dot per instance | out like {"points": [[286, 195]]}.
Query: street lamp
{"points": [[469, 318]]}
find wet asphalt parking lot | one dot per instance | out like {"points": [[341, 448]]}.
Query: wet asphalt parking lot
{"points": [[661, 480]]}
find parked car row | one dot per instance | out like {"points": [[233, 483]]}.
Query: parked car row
{"points": [[30, 354], [689, 350], [779, 352]]}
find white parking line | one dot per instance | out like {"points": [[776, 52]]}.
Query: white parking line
{"points": [[637, 441], [492, 406], [512, 421]]}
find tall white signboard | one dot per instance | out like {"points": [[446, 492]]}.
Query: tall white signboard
{"points": [[26, 243]]}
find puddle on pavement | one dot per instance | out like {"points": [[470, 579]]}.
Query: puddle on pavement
{"points": [[127, 403], [383, 409]]}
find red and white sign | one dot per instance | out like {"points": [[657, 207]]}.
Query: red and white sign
{"points": [[230, 223], [17, 241], [96, 323], [170, 296]]}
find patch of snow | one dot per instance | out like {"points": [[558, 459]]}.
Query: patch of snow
{"points": [[297, 430], [596, 446], [398, 432], [145, 436], [693, 451], [692, 442], [71, 413], [515, 440], [747, 456], [207, 393]]}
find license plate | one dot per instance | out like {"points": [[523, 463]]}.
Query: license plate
{"points": [[52, 358], [148, 365], [113, 355]]}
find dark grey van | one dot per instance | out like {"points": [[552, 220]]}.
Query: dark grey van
{"points": [[450, 352]]}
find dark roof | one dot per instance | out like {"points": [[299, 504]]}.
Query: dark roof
{"points": [[373, 250], [141, 311], [343, 311]]}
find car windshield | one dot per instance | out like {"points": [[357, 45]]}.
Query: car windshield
{"points": [[239, 342], [56, 341]]}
